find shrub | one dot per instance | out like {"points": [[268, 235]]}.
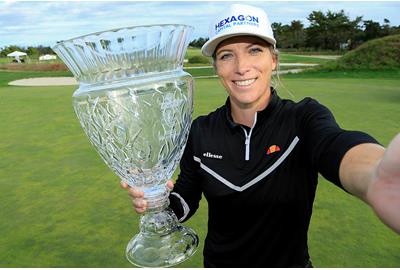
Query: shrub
{"points": [[199, 59], [377, 54]]}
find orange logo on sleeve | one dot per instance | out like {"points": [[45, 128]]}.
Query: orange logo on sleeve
{"points": [[272, 149]]}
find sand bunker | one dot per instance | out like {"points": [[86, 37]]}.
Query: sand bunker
{"points": [[45, 81]]}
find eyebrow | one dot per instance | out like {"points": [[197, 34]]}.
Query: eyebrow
{"points": [[248, 46], [257, 43], [221, 51]]}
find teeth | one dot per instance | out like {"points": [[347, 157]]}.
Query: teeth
{"points": [[244, 83]]}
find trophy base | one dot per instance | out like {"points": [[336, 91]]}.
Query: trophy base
{"points": [[162, 241]]}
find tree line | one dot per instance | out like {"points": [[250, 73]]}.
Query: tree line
{"points": [[326, 31], [31, 50]]}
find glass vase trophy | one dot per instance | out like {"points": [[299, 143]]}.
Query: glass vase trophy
{"points": [[135, 102]]}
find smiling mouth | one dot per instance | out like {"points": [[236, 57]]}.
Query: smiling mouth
{"points": [[244, 82]]}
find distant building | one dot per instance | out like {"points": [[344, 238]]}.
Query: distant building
{"points": [[47, 57]]}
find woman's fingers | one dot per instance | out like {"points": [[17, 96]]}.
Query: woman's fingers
{"points": [[137, 196], [124, 185], [140, 205], [133, 192], [170, 185]]}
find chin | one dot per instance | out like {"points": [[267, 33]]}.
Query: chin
{"points": [[246, 101]]}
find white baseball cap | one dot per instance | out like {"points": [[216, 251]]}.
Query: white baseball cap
{"points": [[238, 20]]}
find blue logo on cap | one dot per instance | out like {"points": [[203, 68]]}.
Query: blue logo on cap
{"points": [[236, 20]]}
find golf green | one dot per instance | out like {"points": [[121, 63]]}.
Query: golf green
{"points": [[62, 207]]}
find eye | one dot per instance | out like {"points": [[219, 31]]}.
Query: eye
{"points": [[255, 50], [225, 56]]}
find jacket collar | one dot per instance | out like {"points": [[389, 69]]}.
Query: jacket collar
{"points": [[261, 115]]}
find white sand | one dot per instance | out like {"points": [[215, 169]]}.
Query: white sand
{"points": [[45, 81]]}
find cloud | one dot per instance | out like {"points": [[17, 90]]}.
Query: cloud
{"points": [[43, 23]]}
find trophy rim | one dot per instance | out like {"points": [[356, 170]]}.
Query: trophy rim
{"points": [[60, 42]]}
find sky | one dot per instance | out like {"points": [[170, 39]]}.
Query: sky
{"points": [[33, 23]]}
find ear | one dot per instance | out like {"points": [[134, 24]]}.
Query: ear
{"points": [[274, 61]]}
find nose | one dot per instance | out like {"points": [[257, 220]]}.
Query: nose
{"points": [[242, 65]]}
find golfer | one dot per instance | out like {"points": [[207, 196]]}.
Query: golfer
{"points": [[256, 159]]}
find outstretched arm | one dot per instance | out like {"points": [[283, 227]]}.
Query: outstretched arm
{"points": [[372, 173]]}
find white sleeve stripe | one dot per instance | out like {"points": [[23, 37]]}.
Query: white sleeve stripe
{"points": [[185, 206]]}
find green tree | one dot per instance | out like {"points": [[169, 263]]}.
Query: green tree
{"points": [[331, 30], [44, 50], [10, 49], [289, 36], [317, 31], [278, 30], [372, 30], [386, 29], [297, 35], [32, 51], [198, 43]]}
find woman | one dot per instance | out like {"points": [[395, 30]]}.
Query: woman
{"points": [[256, 159]]}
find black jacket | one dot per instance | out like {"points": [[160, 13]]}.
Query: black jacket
{"points": [[260, 182]]}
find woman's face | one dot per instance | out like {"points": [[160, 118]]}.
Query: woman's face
{"points": [[244, 65]]}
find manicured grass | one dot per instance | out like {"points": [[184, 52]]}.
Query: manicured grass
{"points": [[290, 58], [8, 76], [190, 52], [62, 207], [354, 74], [6, 60]]}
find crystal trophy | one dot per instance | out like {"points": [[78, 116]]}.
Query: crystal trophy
{"points": [[135, 104]]}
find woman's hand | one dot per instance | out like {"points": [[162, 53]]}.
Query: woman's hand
{"points": [[372, 173], [137, 196], [384, 191]]}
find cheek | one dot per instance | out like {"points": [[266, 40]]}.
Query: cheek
{"points": [[221, 71], [226, 84], [222, 78], [224, 75], [266, 67]]}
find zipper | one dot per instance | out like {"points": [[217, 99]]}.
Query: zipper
{"points": [[247, 139]]}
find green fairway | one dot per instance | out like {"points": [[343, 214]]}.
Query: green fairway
{"points": [[190, 52], [291, 58], [62, 207], [8, 76]]}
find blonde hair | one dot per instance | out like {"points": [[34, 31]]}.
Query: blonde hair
{"points": [[276, 79]]}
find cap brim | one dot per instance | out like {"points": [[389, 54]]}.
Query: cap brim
{"points": [[210, 46]]}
